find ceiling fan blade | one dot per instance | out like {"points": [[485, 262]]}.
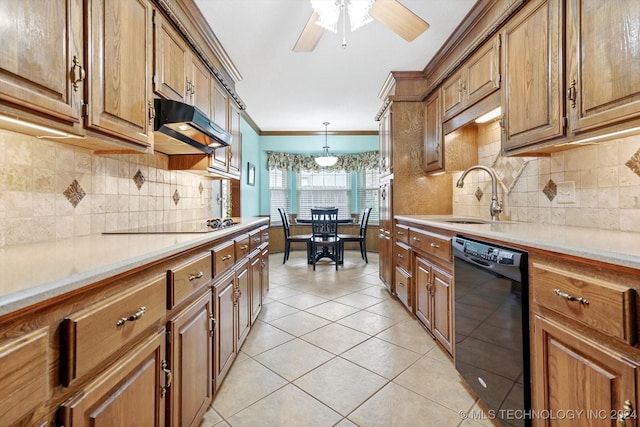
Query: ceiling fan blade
{"points": [[310, 35], [398, 19]]}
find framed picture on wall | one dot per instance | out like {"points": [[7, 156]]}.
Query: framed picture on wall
{"points": [[251, 176]]}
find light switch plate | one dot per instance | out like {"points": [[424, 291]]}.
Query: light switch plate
{"points": [[566, 192]]}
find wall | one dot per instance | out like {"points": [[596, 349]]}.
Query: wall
{"points": [[37, 191], [607, 191], [250, 194]]}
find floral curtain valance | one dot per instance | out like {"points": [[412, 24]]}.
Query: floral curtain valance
{"points": [[346, 162]]}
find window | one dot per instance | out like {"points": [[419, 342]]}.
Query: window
{"points": [[324, 189], [279, 190], [368, 192]]}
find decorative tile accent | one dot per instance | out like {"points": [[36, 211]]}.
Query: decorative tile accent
{"points": [[200, 187], [634, 163], [74, 193], [479, 193], [176, 197], [550, 190], [138, 178], [508, 170]]}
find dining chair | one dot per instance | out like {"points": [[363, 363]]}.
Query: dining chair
{"points": [[324, 236], [292, 238], [361, 237]]}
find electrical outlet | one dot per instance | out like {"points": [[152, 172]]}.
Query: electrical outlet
{"points": [[566, 192]]}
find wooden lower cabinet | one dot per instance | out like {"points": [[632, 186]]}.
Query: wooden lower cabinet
{"points": [[130, 393], [572, 371], [403, 287], [224, 299], [434, 300], [191, 362]]}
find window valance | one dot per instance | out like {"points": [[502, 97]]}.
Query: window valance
{"points": [[346, 162]]}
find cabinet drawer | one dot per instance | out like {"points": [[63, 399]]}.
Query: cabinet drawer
{"points": [[223, 257], [430, 243], [600, 304], [188, 278], [100, 330], [264, 235], [403, 256], [254, 240], [25, 380], [242, 246], [402, 233], [403, 287]]}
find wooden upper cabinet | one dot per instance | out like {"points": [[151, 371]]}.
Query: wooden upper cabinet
{"points": [[235, 151], [42, 56], [603, 63], [171, 61], [433, 158], [200, 94], [532, 89], [478, 77], [220, 156], [119, 42]]}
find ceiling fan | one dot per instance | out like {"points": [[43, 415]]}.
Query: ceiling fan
{"points": [[326, 14]]}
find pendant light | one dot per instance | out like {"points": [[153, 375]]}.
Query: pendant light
{"points": [[326, 159]]}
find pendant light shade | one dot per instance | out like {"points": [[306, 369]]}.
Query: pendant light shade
{"points": [[326, 159]]}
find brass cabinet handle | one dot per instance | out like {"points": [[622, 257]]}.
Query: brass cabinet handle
{"points": [[196, 276], [400, 233], [435, 245], [571, 93], [244, 247], [570, 297], [625, 414], [132, 318], [168, 378], [77, 73], [401, 284], [416, 239], [256, 239], [226, 258], [400, 256], [152, 112]]}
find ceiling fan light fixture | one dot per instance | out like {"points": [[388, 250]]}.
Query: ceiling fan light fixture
{"points": [[329, 13], [326, 159]]}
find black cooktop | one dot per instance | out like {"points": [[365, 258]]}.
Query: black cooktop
{"points": [[196, 226]]}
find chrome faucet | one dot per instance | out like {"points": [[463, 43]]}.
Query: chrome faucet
{"points": [[495, 207]]}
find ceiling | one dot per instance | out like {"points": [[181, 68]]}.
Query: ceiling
{"points": [[286, 91]]}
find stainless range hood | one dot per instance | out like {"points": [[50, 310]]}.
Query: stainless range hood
{"points": [[183, 129]]}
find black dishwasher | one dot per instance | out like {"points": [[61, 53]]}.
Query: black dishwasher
{"points": [[492, 327]]}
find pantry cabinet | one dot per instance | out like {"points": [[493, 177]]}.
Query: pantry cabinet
{"points": [[42, 65], [119, 70]]}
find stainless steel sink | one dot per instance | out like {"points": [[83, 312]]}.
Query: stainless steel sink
{"points": [[466, 221]]}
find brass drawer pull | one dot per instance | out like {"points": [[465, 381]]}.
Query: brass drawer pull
{"points": [[256, 239], [196, 276], [244, 247], [435, 245], [416, 239], [226, 258], [400, 256], [569, 297], [135, 316], [400, 233]]}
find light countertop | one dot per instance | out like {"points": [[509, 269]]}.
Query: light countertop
{"points": [[33, 273], [609, 246]]}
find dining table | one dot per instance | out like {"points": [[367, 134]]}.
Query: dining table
{"points": [[324, 253]]}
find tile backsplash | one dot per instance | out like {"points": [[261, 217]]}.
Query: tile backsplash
{"points": [[50, 190], [607, 188]]}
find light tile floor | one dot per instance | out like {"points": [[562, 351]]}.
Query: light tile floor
{"points": [[333, 348]]}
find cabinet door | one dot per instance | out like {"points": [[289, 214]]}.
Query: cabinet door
{"points": [[572, 371], [603, 62], [225, 338], [386, 152], [243, 302], [219, 158], [433, 158], [442, 292], [200, 89], [532, 89], [483, 71], [385, 235], [40, 41], [423, 280], [403, 287], [453, 95], [235, 151], [264, 273], [255, 268], [119, 42], [191, 361], [130, 393], [171, 60]]}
